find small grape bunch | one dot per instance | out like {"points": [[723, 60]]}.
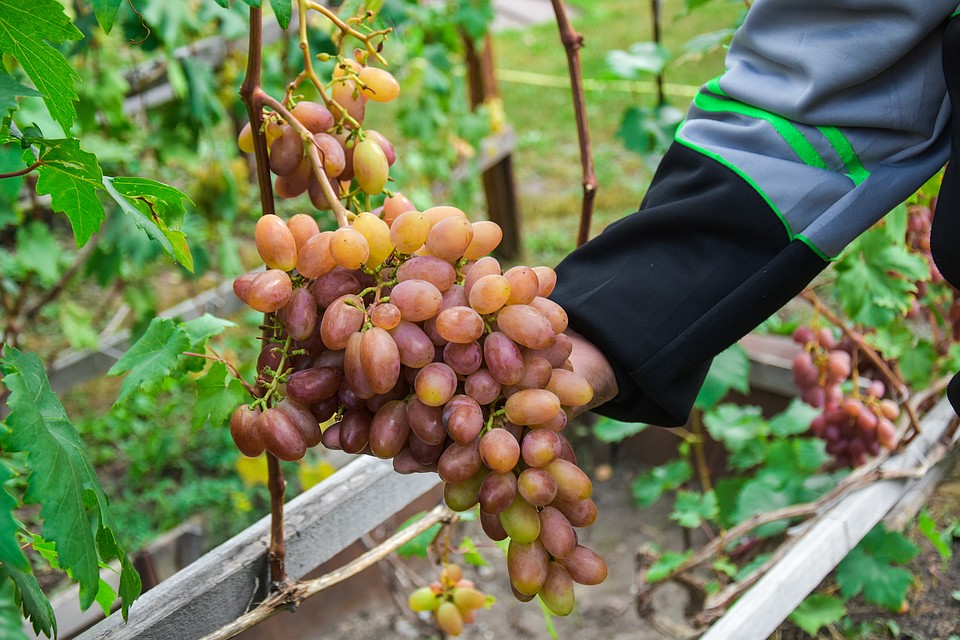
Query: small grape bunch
{"points": [[820, 369], [453, 600], [858, 427], [347, 151], [425, 351]]}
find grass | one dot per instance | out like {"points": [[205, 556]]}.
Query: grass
{"points": [[546, 160]]}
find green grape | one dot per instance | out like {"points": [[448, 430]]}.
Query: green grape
{"points": [[370, 166], [557, 590], [424, 599], [520, 520]]}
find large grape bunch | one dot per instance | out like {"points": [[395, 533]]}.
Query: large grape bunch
{"points": [[424, 350], [854, 426]]}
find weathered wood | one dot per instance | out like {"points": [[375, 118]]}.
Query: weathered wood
{"points": [[498, 182], [764, 607], [220, 586]]}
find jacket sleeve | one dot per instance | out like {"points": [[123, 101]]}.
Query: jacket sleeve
{"points": [[829, 114]]}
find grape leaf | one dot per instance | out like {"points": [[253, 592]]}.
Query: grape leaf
{"points": [[419, 545], [870, 567], [692, 508], [152, 357], [11, 624], [610, 431], [741, 430], [25, 29], [106, 11], [793, 420], [38, 252], [157, 209], [940, 540], [10, 90], [10, 553], [643, 58], [33, 601], [283, 9], [817, 611], [76, 321], [666, 563], [71, 177], [203, 328], [218, 394], [729, 370], [62, 480], [648, 487]]}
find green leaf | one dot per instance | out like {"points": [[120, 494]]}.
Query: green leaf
{"points": [[77, 325], [793, 420], [611, 431], [62, 480], [918, 364], [283, 9], [11, 623], [723, 565], [729, 370], [759, 495], [38, 252], [470, 554], [741, 429], [26, 29], [10, 90], [203, 328], [648, 487], [870, 568], [152, 357], [71, 177], [10, 553], [33, 602], [643, 58], [692, 508], [645, 130], [747, 570], [157, 209], [940, 540], [218, 394], [665, 564], [106, 11], [419, 545], [817, 611]]}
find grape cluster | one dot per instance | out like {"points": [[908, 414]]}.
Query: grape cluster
{"points": [[346, 151], [853, 427], [453, 600], [428, 353]]}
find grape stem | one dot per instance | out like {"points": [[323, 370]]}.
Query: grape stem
{"points": [[232, 369], [249, 91], [572, 43], [290, 596], [346, 29], [313, 150], [21, 172]]}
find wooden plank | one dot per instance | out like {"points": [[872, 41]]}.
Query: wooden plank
{"points": [[219, 587], [765, 606]]}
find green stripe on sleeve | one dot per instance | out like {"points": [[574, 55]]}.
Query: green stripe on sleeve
{"points": [[840, 144], [791, 135]]}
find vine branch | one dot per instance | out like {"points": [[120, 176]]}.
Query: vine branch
{"points": [[292, 595], [572, 43], [21, 172]]}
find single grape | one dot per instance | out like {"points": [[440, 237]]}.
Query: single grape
{"points": [[556, 533], [435, 384], [557, 590], [449, 238], [385, 145], [489, 294], [303, 227], [270, 291], [275, 244], [416, 349], [378, 84], [527, 564], [531, 406], [313, 385], [521, 520], [349, 248], [499, 450], [355, 430], [409, 231], [537, 487], [296, 183], [571, 389], [370, 166], [497, 492], [314, 116], [464, 359], [394, 205], [385, 315], [436, 271], [540, 447], [389, 429], [463, 418], [418, 300], [572, 483], [342, 318], [461, 325], [380, 359], [585, 566], [423, 599], [286, 152], [280, 435], [460, 462], [482, 386], [332, 285], [521, 323], [245, 139], [548, 280], [523, 285], [377, 234], [449, 619], [332, 155], [347, 101], [243, 430], [486, 266], [314, 258], [300, 415], [486, 237]]}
